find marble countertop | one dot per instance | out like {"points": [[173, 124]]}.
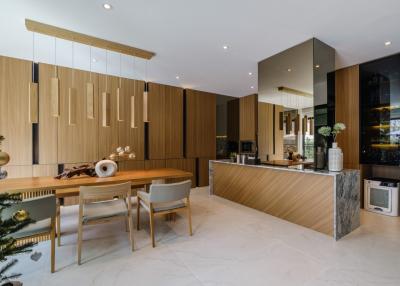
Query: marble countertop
{"points": [[290, 169]]}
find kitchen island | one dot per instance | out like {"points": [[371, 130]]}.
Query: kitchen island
{"points": [[328, 202]]}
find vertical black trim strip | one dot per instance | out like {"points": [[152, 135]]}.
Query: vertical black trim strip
{"points": [[146, 141], [35, 126], [197, 172], [60, 168], [184, 124], [273, 129]]}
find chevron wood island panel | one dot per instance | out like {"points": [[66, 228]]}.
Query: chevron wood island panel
{"points": [[302, 198]]}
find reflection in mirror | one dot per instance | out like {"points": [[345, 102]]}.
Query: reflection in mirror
{"points": [[290, 84]]}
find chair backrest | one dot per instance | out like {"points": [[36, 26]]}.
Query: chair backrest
{"points": [[169, 192], [104, 192], [38, 208]]}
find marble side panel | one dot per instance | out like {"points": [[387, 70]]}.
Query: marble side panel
{"points": [[347, 202]]}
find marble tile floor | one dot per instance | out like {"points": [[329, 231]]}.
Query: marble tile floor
{"points": [[231, 245]]}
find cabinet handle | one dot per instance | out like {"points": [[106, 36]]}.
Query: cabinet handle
{"points": [[106, 109], [90, 100], [120, 105], [55, 96]]}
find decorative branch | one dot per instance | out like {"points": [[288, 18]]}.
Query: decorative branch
{"points": [[86, 169]]}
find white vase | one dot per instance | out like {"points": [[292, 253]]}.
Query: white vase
{"points": [[335, 160]]}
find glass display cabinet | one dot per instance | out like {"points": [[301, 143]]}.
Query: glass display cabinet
{"points": [[380, 111]]}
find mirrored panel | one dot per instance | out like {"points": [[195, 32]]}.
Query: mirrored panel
{"points": [[293, 101]]}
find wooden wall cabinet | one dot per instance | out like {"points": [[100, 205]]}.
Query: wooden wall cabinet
{"points": [[270, 137], [156, 109], [15, 126], [48, 128], [129, 135], [347, 111], [77, 139], [248, 117], [173, 122], [165, 104], [200, 124]]}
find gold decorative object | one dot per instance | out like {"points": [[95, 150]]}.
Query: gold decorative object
{"points": [[122, 154], [4, 159], [21, 215]]}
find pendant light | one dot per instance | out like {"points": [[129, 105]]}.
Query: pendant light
{"points": [[120, 103], [72, 93], [133, 97], [90, 90], [145, 98], [55, 86], [33, 102]]}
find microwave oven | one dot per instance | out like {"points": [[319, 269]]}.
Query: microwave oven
{"points": [[382, 196]]}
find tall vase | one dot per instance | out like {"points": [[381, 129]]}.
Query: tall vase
{"points": [[335, 161], [320, 158]]}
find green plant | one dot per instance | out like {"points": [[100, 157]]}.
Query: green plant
{"points": [[232, 155], [327, 131], [8, 245]]}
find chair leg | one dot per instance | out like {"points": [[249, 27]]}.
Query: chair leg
{"points": [[127, 224], [138, 214], [130, 223], [53, 245], [80, 229], [189, 214], [58, 223], [152, 227]]}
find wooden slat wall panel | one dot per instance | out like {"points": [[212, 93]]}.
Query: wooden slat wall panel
{"points": [[248, 117], [183, 164], [191, 130], [77, 142], [264, 126], [156, 106], [131, 165], [347, 111], [19, 171], [203, 171], [45, 170], [173, 122], [206, 125], [200, 124], [108, 136], [292, 196], [128, 136], [154, 164], [48, 122], [15, 76]]}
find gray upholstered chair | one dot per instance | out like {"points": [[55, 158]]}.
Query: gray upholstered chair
{"points": [[43, 211], [116, 204], [165, 199]]}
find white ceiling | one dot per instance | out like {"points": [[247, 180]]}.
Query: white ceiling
{"points": [[188, 35]]}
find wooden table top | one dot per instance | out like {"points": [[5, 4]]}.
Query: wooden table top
{"points": [[63, 186]]}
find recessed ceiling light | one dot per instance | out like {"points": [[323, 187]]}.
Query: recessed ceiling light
{"points": [[289, 69], [388, 43], [316, 66], [225, 47], [252, 87], [107, 6], [177, 77], [94, 60], [250, 73]]}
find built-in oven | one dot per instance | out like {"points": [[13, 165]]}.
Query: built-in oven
{"points": [[248, 147], [382, 196]]}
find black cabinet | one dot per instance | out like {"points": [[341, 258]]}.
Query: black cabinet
{"points": [[380, 111]]}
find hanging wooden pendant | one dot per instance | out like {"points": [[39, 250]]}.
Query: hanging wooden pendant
{"points": [[288, 123], [297, 124], [106, 109], [90, 100], [312, 126], [55, 96]]}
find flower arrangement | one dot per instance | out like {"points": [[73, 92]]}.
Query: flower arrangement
{"points": [[327, 131]]}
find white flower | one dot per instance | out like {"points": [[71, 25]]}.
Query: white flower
{"points": [[325, 131], [339, 127]]}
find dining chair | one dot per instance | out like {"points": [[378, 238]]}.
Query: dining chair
{"points": [[115, 204], [165, 199], [42, 210]]}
